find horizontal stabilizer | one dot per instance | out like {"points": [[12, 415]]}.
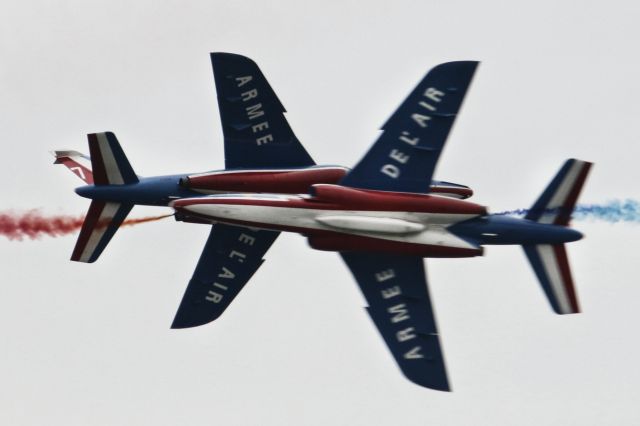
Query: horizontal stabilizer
{"points": [[110, 165], [551, 266], [556, 203], [100, 224]]}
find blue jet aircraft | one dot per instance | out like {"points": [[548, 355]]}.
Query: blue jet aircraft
{"points": [[383, 216]]}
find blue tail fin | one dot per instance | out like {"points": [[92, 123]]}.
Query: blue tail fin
{"points": [[110, 165]]}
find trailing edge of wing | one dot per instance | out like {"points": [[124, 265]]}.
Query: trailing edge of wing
{"points": [[256, 132], [405, 155], [229, 259], [396, 290]]}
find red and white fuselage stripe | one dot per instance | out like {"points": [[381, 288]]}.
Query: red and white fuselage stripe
{"points": [[304, 214]]}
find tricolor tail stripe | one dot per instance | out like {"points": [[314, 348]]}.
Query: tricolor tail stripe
{"points": [[101, 223], [551, 266], [556, 203], [110, 165]]}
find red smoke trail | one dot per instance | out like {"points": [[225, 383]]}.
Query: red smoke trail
{"points": [[33, 224]]}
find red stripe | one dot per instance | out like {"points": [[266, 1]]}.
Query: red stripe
{"points": [[462, 192], [69, 163], [333, 197], [97, 163], [283, 182], [567, 280], [90, 222], [567, 207]]}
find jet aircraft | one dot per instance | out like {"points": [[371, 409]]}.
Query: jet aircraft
{"points": [[383, 217]]}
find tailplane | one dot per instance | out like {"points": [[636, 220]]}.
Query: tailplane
{"points": [[110, 167], [101, 223], [551, 266], [556, 203], [550, 262]]}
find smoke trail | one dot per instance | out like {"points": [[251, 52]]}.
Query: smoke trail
{"points": [[613, 211], [33, 224]]}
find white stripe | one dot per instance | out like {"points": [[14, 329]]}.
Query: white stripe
{"points": [[435, 232], [107, 214], [264, 171], [564, 189], [111, 167], [552, 270]]}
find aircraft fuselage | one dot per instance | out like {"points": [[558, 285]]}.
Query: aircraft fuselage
{"points": [[161, 190], [338, 218]]}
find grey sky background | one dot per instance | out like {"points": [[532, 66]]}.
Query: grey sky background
{"points": [[91, 344]]}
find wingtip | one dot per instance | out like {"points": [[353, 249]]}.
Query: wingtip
{"points": [[189, 321]]}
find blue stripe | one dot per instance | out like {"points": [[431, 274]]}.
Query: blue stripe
{"points": [[128, 175], [119, 217], [540, 206], [541, 273]]}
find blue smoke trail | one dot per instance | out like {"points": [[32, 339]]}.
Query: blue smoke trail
{"points": [[613, 211]]}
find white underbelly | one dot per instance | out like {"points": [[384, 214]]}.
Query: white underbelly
{"points": [[410, 227]]}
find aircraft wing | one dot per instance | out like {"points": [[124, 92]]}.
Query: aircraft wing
{"points": [[396, 290], [230, 257], [406, 153], [256, 132]]}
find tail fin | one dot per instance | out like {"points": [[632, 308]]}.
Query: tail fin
{"points": [[550, 262], [110, 165], [77, 162], [556, 203], [101, 223]]}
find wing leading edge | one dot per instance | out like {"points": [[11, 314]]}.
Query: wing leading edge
{"points": [[229, 259], [256, 132], [406, 153], [395, 288]]}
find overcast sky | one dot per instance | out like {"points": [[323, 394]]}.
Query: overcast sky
{"points": [[90, 344]]}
